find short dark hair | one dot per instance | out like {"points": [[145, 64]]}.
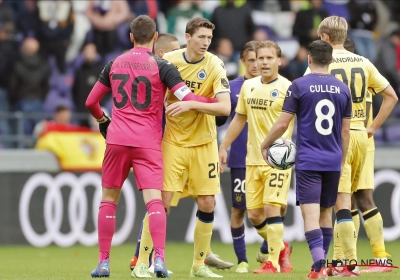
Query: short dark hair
{"points": [[195, 23], [349, 44], [143, 29], [395, 32], [248, 47], [61, 108], [320, 52], [183, 46]]}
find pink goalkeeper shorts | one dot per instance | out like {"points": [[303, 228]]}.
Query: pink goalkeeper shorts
{"points": [[147, 167]]}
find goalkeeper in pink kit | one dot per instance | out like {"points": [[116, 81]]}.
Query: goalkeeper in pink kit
{"points": [[138, 81]]}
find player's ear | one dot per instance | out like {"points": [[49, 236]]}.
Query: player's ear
{"points": [[309, 59], [131, 37], [161, 53], [155, 36], [187, 37]]}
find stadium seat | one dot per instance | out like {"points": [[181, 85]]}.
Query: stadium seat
{"points": [[393, 134]]}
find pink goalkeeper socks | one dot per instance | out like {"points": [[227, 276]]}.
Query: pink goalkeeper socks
{"points": [[106, 228], [157, 226]]}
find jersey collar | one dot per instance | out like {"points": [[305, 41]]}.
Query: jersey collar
{"points": [[184, 57], [273, 81]]}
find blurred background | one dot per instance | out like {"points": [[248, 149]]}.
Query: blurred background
{"points": [[51, 53]]}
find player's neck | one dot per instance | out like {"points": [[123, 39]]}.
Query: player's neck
{"points": [[266, 80], [147, 46], [338, 47], [319, 70], [248, 76], [192, 57]]}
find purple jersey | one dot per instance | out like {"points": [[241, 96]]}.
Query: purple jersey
{"points": [[320, 102], [238, 151]]}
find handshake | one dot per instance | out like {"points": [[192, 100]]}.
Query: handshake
{"points": [[104, 122]]}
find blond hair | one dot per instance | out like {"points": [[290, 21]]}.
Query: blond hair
{"points": [[335, 27], [269, 44]]}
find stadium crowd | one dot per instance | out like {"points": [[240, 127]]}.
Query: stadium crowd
{"points": [[51, 52]]}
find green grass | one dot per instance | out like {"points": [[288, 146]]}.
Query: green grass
{"points": [[24, 262]]}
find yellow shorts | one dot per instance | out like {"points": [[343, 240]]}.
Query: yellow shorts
{"points": [[265, 184], [367, 174], [354, 161], [199, 165], [179, 195]]}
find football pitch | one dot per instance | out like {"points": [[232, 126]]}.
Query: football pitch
{"points": [[25, 262]]}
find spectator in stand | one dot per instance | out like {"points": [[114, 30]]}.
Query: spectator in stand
{"points": [[26, 16], [85, 77], [179, 16], [6, 12], [55, 27], [260, 35], [61, 122], [224, 51], [307, 22], [386, 59], [337, 8], [363, 20], [105, 17], [29, 82], [386, 62], [233, 21], [8, 56], [298, 66], [144, 7]]}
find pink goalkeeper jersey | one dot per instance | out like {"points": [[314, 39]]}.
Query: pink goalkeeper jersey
{"points": [[138, 81]]}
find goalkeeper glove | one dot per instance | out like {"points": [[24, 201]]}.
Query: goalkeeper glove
{"points": [[104, 122]]}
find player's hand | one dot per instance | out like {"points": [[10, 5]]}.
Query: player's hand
{"points": [[370, 132], [264, 152], [223, 155], [178, 108], [104, 122]]}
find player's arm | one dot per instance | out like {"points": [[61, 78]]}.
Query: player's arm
{"points": [[221, 120], [101, 87], [345, 138], [220, 108], [389, 101], [276, 131], [345, 133], [170, 76], [289, 109], [367, 112], [234, 129]]}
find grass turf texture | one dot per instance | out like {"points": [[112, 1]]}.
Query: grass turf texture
{"points": [[24, 262]]}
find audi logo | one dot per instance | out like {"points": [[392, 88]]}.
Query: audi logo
{"points": [[77, 209], [393, 177]]}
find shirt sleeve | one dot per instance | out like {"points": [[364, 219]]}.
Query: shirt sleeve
{"points": [[348, 109], [376, 82], [104, 77], [169, 75], [221, 83], [241, 104], [368, 96], [291, 100]]}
